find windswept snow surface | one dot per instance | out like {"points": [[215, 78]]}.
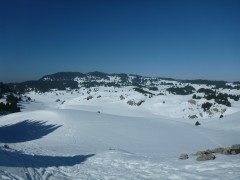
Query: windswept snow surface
{"points": [[50, 140]]}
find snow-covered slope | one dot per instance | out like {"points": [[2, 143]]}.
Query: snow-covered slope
{"points": [[133, 94], [123, 101], [74, 144], [118, 126]]}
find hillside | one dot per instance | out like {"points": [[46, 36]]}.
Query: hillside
{"points": [[189, 99], [117, 126], [73, 144]]}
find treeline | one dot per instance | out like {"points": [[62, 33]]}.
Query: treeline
{"points": [[11, 105], [218, 84], [220, 98], [4, 89], [181, 90], [62, 76], [65, 80], [44, 86], [140, 90]]}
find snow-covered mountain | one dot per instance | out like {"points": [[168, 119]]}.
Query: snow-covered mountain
{"points": [[101, 126]]}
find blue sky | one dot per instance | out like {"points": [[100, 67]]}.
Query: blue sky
{"points": [[182, 39]]}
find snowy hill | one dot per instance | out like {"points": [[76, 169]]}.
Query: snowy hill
{"points": [[117, 126], [74, 144], [189, 99]]}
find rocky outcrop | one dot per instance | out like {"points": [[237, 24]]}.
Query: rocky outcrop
{"points": [[210, 154], [133, 103], [183, 156], [234, 149], [218, 150], [191, 101], [192, 117], [89, 97], [206, 156]]}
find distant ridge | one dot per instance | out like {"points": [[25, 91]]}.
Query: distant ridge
{"points": [[74, 80]]}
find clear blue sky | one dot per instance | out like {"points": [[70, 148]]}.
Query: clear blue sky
{"points": [[184, 39]]}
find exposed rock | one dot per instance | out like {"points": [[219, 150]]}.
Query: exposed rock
{"points": [[218, 150], [191, 101], [183, 156], [223, 110], [215, 109], [206, 156], [235, 148], [210, 113], [227, 151], [192, 117], [89, 97], [131, 103], [208, 151], [221, 116], [140, 102], [58, 100]]}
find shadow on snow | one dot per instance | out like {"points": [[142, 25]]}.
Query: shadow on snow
{"points": [[25, 131], [18, 159]]}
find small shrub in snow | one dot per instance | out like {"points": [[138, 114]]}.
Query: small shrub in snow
{"points": [[197, 123], [122, 97], [206, 106], [153, 88], [6, 146]]}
